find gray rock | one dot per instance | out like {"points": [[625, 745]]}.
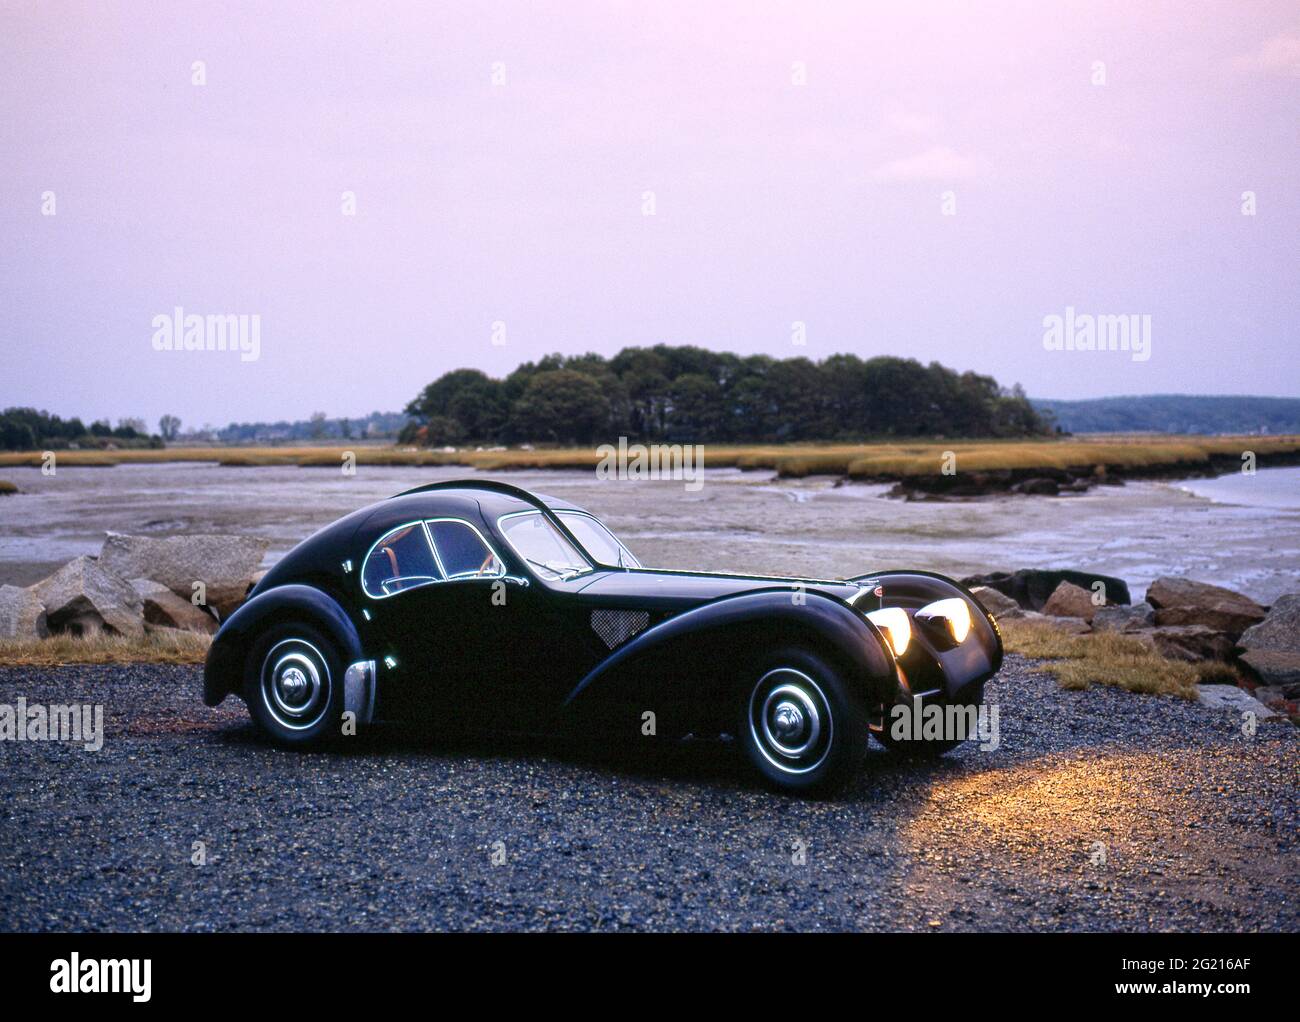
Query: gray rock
{"points": [[1181, 601], [224, 564], [1230, 697], [1032, 587], [164, 609], [998, 604], [1069, 600], [1275, 668], [1124, 619], [1069, 625], [1187, 642], [1273, 646], [1279, 630], [1276, 697], [22, 615], [1040, 487], [82, 597]]}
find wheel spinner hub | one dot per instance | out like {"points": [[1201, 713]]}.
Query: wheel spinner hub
{"points": [[295, 684], [790, 720]]}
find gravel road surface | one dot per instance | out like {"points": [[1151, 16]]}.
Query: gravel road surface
{"points": [[1099, 810]]}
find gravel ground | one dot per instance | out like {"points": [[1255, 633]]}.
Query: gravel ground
{"points": [[1099, 811]]}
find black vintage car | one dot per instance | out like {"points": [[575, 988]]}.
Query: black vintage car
{"points": [[474, 604]]}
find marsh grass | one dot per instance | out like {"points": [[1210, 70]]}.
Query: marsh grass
{"points": [[883, 460], [164, 646], [1109, 658]]}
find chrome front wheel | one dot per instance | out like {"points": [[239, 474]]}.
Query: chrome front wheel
{"points": [[803, 725], [790, 720]]}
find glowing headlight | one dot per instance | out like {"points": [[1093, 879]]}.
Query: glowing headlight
{"points": [[894, 623], [953, 614]]}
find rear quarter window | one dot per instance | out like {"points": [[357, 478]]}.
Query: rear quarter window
{"points": [[401, 559]]}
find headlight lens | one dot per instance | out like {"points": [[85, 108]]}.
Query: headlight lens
{"points": [[952, 614], [894, 623]]}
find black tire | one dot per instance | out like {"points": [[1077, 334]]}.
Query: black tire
{"points": [[927, 748], [802, 726], [301, 709]]}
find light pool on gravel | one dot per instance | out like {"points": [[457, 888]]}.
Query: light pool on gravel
{"points": [[1240, 531]]}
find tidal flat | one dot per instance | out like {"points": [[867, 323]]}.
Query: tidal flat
{"points": [[1238, 531]]}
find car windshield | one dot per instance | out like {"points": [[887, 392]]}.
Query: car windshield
{"points": [[597, 540], [543, 546]]}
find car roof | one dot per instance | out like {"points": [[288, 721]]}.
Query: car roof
{"points": [[478, 501], [494, 497]]}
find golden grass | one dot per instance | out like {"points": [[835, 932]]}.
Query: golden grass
{"points": [[897, 459], [164, 646], [1109, 658]]}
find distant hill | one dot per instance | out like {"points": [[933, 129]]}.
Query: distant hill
{"points": [[1176, 413]]}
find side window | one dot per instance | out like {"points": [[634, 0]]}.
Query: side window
{"points": [[463, 552], [400, 560]]}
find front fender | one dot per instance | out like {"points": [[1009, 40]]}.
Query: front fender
{"points": [[223, 672], [696, 655]]}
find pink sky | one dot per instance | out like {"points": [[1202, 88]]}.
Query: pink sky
{"points": [[521, 202]]}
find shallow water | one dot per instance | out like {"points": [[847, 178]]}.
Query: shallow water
{"points": [[1238, 531]]}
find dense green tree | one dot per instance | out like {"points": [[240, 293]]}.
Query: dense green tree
{"points": [[696, 409], [564, 407], [467, 396], [16, 436], [688, 394]]}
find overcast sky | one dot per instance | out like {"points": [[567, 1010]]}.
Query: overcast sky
{"points": [[500, 156]]}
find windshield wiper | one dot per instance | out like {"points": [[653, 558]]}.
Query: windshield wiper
{"points": [[561, 572]]}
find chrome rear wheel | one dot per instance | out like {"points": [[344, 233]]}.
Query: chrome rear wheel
{"points": [[295, 684]]}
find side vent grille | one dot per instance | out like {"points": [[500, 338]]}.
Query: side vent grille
{"points": [[615, 627]]}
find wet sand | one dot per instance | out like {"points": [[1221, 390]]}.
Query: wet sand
{"points": [[1241, 532]]}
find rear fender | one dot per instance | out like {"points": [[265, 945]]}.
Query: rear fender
{"points": [[223, 673]]}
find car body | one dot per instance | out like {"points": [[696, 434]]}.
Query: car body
{"points": [[476, 604]]}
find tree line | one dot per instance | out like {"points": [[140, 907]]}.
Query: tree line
{"points": [[27, 429], [691, 395]]}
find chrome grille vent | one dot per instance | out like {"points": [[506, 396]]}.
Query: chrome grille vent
{"points": [[615, 627]]}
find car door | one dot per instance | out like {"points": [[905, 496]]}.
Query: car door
{"points": [[455, 637]]}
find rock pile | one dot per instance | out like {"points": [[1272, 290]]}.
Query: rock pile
{"points": [[1180, 618], [137, 584]]}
